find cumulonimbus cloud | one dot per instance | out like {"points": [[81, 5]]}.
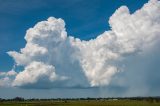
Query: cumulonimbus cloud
{"points": [[51, 55]]}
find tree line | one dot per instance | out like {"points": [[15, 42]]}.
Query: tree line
{"points": [[149, 99]]}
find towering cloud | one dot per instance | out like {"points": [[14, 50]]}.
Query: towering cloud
{"points": [[51, 56]]}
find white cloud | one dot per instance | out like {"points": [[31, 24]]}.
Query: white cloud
{"points": [[34, 72], [4, 82], [6, 78], [9, 73], [129, 34], [50, 53]]}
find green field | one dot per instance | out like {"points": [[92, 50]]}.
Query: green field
{"points": [[82, 103]]}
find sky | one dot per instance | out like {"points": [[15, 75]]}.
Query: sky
{"points": [[79, 48]]}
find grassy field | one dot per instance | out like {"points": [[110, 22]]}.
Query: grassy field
{"points": [[82, 103]]}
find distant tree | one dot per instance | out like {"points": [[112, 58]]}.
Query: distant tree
{"points": [[18, 99], [1, 99]]}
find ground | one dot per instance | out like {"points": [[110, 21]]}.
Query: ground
{"points": [[83, 103]]}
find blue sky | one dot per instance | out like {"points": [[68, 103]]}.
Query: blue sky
{"points": [[115, 53], [84, 19]]}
